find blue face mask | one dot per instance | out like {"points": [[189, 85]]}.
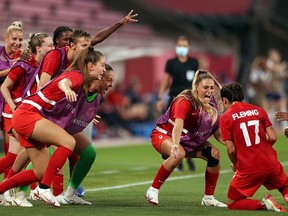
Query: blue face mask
{"points": [[182, 51]]}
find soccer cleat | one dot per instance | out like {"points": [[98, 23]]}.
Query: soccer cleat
{"points": [[209, 200], [72, 200], [271, 205], [46, 195], [60, 199], [9, 195], [3, 201], [20, 200], [80, 191], [152, 195], [32, 196]]}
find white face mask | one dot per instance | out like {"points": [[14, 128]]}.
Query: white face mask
{"points": [[182, 51]]}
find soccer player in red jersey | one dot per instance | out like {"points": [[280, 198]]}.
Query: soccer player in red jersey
{"points": [[9, 54], [13, 90], [184, 130], [29, 123], [249, 137]]}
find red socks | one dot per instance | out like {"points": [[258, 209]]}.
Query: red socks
{"points": [[56, 162], [11, 173], [23, 178], [33, 185], [73, 159], [57, 184], [210, 182], [6, 162], [160, 177]]}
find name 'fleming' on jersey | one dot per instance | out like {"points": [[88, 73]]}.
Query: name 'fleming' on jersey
{"points": [[243, 114]]}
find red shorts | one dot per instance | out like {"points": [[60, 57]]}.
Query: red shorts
{"points": [[7, 120], [23, 122], [248, 184], [157, 138], [6, 124]]}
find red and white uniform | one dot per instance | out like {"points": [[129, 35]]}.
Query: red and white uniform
{"points": [[17, 75], [257, 164], [28, 113]]}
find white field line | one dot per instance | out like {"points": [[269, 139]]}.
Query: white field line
{"points": [[169, 179], [149, 182]]}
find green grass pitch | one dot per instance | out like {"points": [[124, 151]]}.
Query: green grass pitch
{"points": [[120, 176]]}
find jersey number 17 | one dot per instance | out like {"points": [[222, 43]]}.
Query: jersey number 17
{"points": [[244, 127]]}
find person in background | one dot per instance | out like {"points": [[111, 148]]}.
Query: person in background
{"points": [[249, 137], [184, 130], [179, 73]]}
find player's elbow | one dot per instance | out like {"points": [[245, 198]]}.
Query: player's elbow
{"points": [[273, 138]]}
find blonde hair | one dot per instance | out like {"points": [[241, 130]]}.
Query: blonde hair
{"points": [[35, 40], [192, 95], [80, 63], [15, 26]]}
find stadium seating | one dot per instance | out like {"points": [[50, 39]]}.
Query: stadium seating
{"points": [[45, 16]]}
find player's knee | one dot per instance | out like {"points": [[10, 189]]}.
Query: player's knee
{"points": [[212, 160], [231, 205]]}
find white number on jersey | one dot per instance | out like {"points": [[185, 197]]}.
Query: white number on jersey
{"points": [[243, 127]]}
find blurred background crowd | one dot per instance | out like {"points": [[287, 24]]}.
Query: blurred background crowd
{"points": [[243, 41]]}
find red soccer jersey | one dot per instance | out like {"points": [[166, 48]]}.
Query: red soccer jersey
{"points": [[52, 91], [183, 109], [17, 75], [16, 55], [244, 124], [51, 62]]}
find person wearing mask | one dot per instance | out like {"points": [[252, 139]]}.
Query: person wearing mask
{"points": [[179, 73]]}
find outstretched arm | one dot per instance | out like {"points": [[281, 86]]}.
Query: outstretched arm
{"points": [[105, 33], [65, 86]]}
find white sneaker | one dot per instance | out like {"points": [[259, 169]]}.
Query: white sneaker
{"points": [[32, 196], [152, 195], [60, 198], [72, 200], [9, 195], [271, 205], [46, 195], [209, 200], [3, 201], [20, 200]]}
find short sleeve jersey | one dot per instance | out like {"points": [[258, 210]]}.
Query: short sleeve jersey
{"points": [[52, 92], [51, 62], [17, 75], [183, 109], [182, 74], [245, 125]]}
